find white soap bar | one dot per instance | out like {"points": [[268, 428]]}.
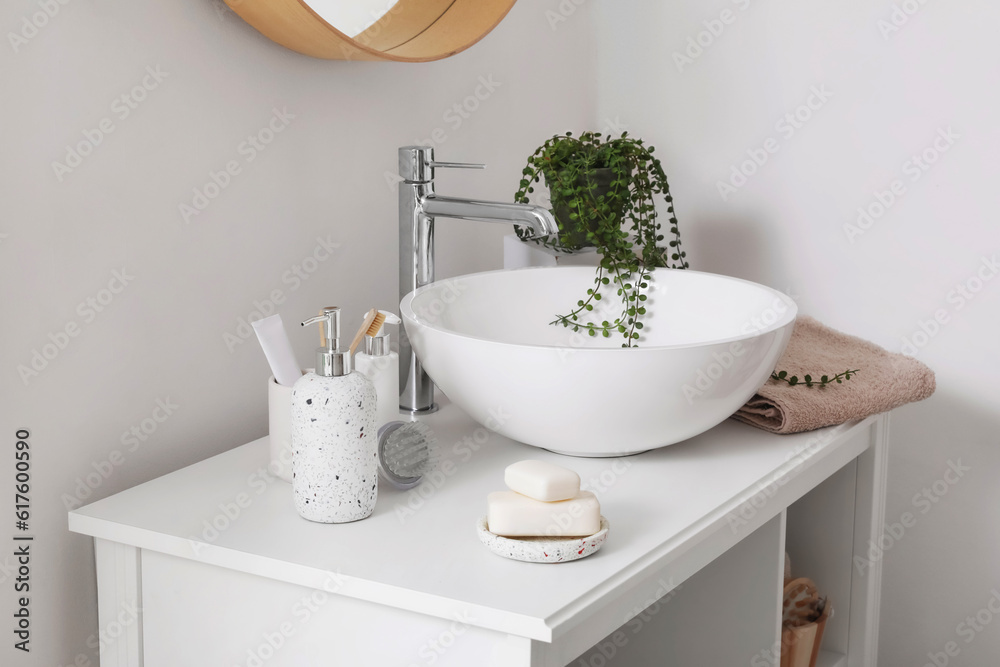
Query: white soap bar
{"points": [[512, 515], [542, 481]]}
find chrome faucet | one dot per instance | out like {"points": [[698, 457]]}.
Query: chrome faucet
{"points": [[418, 206]]}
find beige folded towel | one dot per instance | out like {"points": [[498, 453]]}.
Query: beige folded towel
{"points": [[885, 381]]}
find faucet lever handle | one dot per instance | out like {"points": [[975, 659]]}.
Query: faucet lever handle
{"points": [[456, 165]]}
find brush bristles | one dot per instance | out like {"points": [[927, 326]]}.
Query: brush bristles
{"points": [[376, 324], [370, 317], [411, 450]]}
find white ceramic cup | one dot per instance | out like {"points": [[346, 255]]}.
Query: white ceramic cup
{"points": [[279, 426]]}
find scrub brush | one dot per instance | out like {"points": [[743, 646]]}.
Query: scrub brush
{"points": [[406, 452], [372, 323]]}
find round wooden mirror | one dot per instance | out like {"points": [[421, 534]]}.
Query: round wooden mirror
{"points": [[404, 30]]}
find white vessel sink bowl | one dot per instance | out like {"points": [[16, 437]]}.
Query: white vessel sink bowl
{"points": [[709, 343]]}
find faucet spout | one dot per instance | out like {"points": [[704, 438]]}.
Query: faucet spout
{"points": [[538, 219], [418, 206]]}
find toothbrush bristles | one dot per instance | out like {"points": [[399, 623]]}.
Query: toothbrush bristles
{"points": [[376, 324]]}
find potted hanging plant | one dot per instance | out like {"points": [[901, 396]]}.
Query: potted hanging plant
{"points": [[603, 193]]}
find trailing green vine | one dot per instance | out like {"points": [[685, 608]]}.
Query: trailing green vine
{"points": [[807, 380], [603, 192]]}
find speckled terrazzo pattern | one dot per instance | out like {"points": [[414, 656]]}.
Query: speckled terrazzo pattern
{"points": [[334, 467], [542, 549]]}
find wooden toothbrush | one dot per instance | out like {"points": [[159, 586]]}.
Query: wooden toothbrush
{"points": [[372, 323]]}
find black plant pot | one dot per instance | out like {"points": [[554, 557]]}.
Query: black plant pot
{"points": [[573, 234]]}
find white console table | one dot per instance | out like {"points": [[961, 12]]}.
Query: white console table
{"points": [[210, 566]]}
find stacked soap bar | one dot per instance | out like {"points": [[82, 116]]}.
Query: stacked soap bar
{"points": [[544, 500]]}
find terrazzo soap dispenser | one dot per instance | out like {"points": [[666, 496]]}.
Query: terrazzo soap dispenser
{"points": [[334, 443]]}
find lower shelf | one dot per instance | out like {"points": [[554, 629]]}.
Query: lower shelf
{"points": [[831, 659]]}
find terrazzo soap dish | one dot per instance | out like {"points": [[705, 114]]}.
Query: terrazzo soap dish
{"points": [[544, 517], [542, 549]]}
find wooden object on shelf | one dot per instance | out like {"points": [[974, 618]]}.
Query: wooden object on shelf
{"points": [[800, 645]]}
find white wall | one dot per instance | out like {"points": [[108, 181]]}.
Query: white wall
{"points": [[162, 336], [785, 227]]}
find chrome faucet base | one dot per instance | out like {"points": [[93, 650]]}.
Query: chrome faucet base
{"points": [[418, 206], [417, 412]]}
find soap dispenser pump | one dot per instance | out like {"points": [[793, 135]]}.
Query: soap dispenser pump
{"points": [[334, 444]]}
